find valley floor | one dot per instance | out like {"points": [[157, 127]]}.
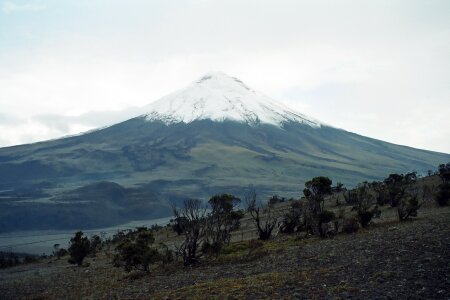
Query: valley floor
{"points": [[389, 260]]}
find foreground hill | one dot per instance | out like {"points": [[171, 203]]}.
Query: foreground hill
{"points": [[388, 260], [215, 136]]}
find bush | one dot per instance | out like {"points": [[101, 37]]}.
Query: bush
{"points": [[443, 194], [351, 197], [211, 248], [275, 199], [350, 225], [364, 202], [324, 217], [254, 244], [408, 208], [397, 185], [61, 252], [79, 248], [365, 217], [96, 244], [292, 220], [137, 253]]}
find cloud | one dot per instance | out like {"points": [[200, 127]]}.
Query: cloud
{"points": [[9, 7], [20, 130]]}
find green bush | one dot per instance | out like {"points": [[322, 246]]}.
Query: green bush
{"points": [[137, 253], [79, 248]]}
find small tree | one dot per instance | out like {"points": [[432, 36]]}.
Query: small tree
{"points": [[264, 217], [222, 220], [408, 207], [443, 193], [365, 204], [315, 190], [95, 244], [137, 253], [315, 214], [381, 192], [444, 172], [194, 228], [397, 185], [55, 249], [79, 248], [58, 252]]}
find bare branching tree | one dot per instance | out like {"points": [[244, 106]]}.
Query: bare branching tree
{"points": [[263, 216], [194, 227]]}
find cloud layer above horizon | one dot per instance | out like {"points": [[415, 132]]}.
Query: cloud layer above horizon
{"points": [[377, 68]]}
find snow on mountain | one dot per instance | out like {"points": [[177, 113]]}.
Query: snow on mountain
{"points": [[220, 97]]}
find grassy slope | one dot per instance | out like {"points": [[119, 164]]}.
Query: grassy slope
{"points": [[191, 160]]}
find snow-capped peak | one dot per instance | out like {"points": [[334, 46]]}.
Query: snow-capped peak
{"points": [[220, 97]]}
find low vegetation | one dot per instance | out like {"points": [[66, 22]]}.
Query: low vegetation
{"points": [[203, 234]]}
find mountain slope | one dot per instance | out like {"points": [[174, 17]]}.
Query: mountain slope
{"points": [[179, 149]]}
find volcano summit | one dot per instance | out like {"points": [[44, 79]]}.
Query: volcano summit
{"points": [[215, 136], [219, 97]]}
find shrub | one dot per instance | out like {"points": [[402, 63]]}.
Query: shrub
{"points": [[61, 252], [211, 248], [315, 191], [351, 197], [222, 219], [275, 199], [79, 248], [254, 244], [350, 225], [364, 201], [408, 208], [167, 256], [292, 220], [323, 217], [137, 253], [397, 185], [96, 243], [178, 224], [444, 172], [443, 194], [30, 259], [365, 217]]}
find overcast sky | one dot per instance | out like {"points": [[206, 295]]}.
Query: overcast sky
{"points": [[377, 68]]}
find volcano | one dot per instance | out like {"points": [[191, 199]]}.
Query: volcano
{"points": [[217, 135]]}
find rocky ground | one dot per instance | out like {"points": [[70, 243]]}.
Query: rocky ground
{"points": [[388, 260]]}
